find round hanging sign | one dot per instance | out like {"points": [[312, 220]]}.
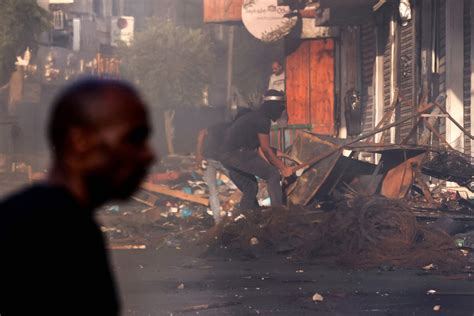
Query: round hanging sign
{"points": [[265, 19]]}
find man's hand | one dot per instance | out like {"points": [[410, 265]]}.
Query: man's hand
{"points": [[286, 171], [199, 160]]}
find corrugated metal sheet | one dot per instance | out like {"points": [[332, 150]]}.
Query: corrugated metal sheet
{"points": [[467, 74], [368, 50], [407, 76], [387, 60]]}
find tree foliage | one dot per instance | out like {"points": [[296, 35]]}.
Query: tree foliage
{"points": [[21, 23], [170, 63]]}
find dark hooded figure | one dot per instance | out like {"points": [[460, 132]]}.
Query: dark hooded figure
{"points": [[53, 257], [239, 152]]}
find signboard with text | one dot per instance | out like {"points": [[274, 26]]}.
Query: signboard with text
{"points": [[266, 20]]}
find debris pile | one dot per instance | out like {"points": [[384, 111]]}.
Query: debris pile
{"points": [[130, 226], [368, 232], [450, 166], [252, 233], [363, 232], [170, 208]]}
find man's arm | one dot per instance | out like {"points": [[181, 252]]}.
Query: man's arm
{"points": [[199, 147], [276, 151], [264, 140]]}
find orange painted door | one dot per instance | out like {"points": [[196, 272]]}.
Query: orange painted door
{"points": [[310, 85], [298, 84]]}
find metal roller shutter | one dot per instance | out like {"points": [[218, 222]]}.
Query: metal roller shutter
{"points": [[368, 49]]}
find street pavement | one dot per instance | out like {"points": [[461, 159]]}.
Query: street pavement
{"points": [[183, 281]]}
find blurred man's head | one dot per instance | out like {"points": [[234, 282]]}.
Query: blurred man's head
{"points": [[99, 133], [273, 104], [277, 68]]}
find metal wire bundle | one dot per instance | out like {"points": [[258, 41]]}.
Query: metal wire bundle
{"points": [[372, 231]]}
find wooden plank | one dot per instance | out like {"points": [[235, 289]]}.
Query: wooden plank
{"points": [[222, 10], [453, 120], [161, 189], [145, 197], [322, 86], [297, 85]]}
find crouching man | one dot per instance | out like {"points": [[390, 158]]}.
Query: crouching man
{"points": [[239, 152]]}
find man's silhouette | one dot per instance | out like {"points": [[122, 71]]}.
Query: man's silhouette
{"points": [[53, 260]]}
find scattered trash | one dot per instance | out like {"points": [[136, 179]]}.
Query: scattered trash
{"points": [[429, 267], [170, 209], [113, 208], [186, 212], [206, 306], [317, 297], [355, 231], [465, 240], [437, 308], [253, 241], [431, 292], [265, 202], [187, 190], [181, 286], [126, 247], [241, 216]]}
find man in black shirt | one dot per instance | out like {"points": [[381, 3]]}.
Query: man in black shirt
{"points": [[53, 258], [209, 142], [240, 155]]}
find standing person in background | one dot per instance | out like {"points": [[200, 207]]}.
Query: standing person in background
{"points": [[209, 142], [54, 260], [240, 152], [277, 82], [277, 78]]}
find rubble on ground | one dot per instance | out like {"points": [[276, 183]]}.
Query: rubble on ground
{"points": [[358, 231], [278, 230], [372, 231], [363, 232], [174, 215]]}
